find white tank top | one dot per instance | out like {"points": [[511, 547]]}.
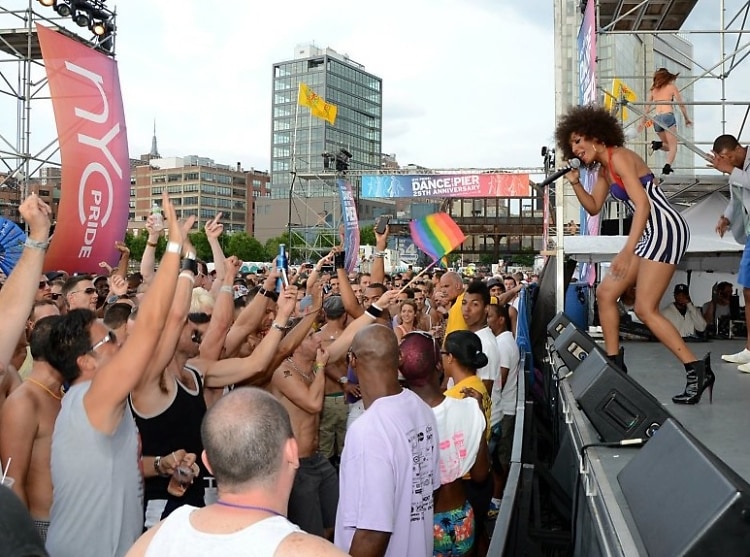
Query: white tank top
{"points": [[176, 537]]}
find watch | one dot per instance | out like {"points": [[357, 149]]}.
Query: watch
{"points": [[112, 299], [343, 379]]}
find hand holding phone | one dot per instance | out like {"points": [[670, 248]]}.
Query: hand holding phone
{"points": [[383, 221]]}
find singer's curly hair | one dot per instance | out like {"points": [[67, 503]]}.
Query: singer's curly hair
{"points": [[592, 122]]}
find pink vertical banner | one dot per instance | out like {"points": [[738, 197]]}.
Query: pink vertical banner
{"points": [[95, 192]]}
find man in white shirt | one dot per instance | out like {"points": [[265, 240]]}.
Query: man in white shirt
{"points": [[682, 313]]}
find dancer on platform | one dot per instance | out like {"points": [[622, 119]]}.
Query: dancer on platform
{"points": [[657, 241], [663, 91]]}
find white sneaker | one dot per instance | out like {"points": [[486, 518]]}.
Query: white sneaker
{"points": [[744, 368], [738, 358]]}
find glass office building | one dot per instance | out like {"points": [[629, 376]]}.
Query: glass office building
{"points": [[298, 139]]}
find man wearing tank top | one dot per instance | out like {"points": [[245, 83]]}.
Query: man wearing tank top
{"points": [[251, 451]]}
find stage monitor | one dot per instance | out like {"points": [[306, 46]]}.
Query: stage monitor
{"points": [[573, 346], [617, 406], [557, 325], [684, 499]]}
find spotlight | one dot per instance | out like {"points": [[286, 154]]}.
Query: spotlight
{"points": [[342, 160], [98, 28], [47, 3], [82, 19], [63, 9], [327, 157]]}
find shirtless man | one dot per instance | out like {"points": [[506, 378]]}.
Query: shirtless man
{"points": [[28, 418], [299, 384]]}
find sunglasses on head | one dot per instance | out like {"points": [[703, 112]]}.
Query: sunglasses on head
{"points": [[109, 337]]}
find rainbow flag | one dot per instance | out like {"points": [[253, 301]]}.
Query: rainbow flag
{"points": [[436, 234]]}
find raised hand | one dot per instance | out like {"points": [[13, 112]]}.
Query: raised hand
{"points": [[232, 264], [214, 228], [177, 233], [286, 303], [117, 285], [36, 213], [122, 248]]}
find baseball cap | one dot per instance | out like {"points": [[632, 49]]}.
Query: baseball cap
{"points": [[495, 281], [681, 289], [305, 302]]}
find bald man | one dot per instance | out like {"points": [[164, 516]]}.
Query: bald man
{"points": [[251, 451], [389, 467], [452, 288]]}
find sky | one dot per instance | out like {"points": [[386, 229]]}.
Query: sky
{"points": [[466, 83]]}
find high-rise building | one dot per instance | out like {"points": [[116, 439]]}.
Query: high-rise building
{"points": [[198, 186], [298, 140]]}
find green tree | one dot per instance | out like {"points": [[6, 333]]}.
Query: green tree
{"points": [[137, 244], [244, 247], [367, 235]]}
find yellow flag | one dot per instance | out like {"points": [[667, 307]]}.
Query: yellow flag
{"points": [[318, 107], [620, 92]]}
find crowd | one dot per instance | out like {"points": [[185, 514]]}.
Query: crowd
{"points": [[177, 411]]}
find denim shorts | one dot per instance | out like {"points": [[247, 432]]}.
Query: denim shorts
{"points": [[664, 121], [743, 279]]}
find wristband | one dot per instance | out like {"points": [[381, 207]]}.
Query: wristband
{"points": [[35, 244], [374, 311], [227, 288], [317, 367], [189, 265], [282, 328], [152, 244], [157, 466], [270, 294], [378, 254], [173, 247], [187, 275]]}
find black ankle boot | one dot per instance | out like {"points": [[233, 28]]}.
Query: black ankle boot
{"points": [[656, 145], [699, 378], [619, 360]]}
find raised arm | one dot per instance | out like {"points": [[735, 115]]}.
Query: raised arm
{"points": [[349, 299], [148, 260], [122, 265], [105, 399], [213, 230], [18, 292], [591, 202], [378, 263], [252, 315], [223, 313], [308, 398], [235, 370]]}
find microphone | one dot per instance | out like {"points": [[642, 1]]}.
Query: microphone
{"points": [[573, 163]]}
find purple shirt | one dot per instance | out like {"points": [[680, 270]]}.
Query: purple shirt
{"points": [[389, 469]]}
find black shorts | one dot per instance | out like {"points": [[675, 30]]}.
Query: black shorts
{"points": [[315, 495]]}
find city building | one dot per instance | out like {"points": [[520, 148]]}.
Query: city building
{"points": [[298, 140], [198, 186], [46, 185]]}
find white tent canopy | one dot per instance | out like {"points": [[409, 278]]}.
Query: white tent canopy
{"points": [[706, 251]]}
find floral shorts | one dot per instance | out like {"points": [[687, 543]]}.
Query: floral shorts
{"points": [[453, 531]]}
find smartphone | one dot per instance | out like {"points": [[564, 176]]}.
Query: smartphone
{"points": [[383, 221]]}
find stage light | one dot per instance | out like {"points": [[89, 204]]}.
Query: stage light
{"points": [[327, 157], [98, 28], [63, 9], [82, 19], [342, 160]]}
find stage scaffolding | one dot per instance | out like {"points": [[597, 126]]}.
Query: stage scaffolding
{"points": [[24, 150]]}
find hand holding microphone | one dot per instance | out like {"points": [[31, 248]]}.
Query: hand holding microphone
{"points": [[573, 164]]}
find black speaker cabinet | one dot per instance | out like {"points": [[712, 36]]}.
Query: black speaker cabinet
{"points": [[684, 499], [573, 346], [617, 406], [557, 325]]}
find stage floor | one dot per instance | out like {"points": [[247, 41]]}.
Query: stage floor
{"points": [[721, 426]]}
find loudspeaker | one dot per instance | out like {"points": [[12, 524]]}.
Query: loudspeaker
{"points": [[617, 406], [557, 325], [684, 499], [573, 346]]}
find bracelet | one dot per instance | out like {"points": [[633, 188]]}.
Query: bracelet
{"points": [[578, 183], [187, 275], [227, 288], [282, 328], [152, 244], [157, 465], [378, 254], [270, 294], [317, 367], [173, 247], [36, 244]]}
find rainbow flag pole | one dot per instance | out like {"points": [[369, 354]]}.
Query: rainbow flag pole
{"points": [[437, 235]]}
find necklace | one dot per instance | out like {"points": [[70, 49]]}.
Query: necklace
{"points": [[298, 370], [247, 507], [38, 384]]}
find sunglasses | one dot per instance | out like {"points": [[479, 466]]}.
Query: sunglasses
{"points": [[109, 337], [197, 337], [43, 284], [199, 317], [88, 291], [55, 295]]}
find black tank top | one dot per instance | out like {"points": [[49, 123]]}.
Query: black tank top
{"points": [[178, 427]]}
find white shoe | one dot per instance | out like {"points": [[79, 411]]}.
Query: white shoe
{"points": [[738, 358], [744, 368]]}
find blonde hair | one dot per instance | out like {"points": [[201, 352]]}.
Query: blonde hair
{"points": [[201, 301]]}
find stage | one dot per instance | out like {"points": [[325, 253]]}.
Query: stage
{"points": [[604, 524]]}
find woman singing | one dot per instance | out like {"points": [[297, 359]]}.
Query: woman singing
{"points": [[657, 241], [665, 92]]}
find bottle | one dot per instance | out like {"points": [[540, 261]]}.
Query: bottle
{"points": [[158, 219], [282, 264]]}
